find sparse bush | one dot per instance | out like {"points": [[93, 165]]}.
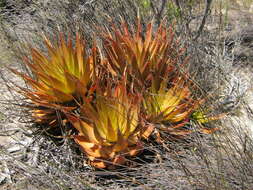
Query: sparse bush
{"points": [[2, 3]]}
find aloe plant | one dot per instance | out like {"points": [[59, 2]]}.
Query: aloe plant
{"points": [[117, 97], [151, 62], [58, 78], [168, 105], [109, 130]]}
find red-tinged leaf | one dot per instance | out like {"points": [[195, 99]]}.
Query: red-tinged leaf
{"points": [[80, 54], [148, 35], [179, 117], [121, 144], [134, 150], [98, 164], [90, 148], [61, 96], [74, 120], [180, 132], [147, 131], [138, 31], [50, 47], [38, 58], [119, 160], [144, 70], [181, 124], [208, 130]]}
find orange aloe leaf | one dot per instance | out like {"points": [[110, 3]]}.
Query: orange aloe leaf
{"points": [[90, 148], [98, 164], [147, 130], [208, 130]]}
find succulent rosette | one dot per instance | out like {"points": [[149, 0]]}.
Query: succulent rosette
{"points": [[108, 129], [154, 64], [57, 78]]}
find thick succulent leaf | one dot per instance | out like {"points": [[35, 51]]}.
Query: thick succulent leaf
{"points": [[122, 144], [208, 130], [90, 148], [147, 130], [98, 164], [84, 129], [180, 113]]}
